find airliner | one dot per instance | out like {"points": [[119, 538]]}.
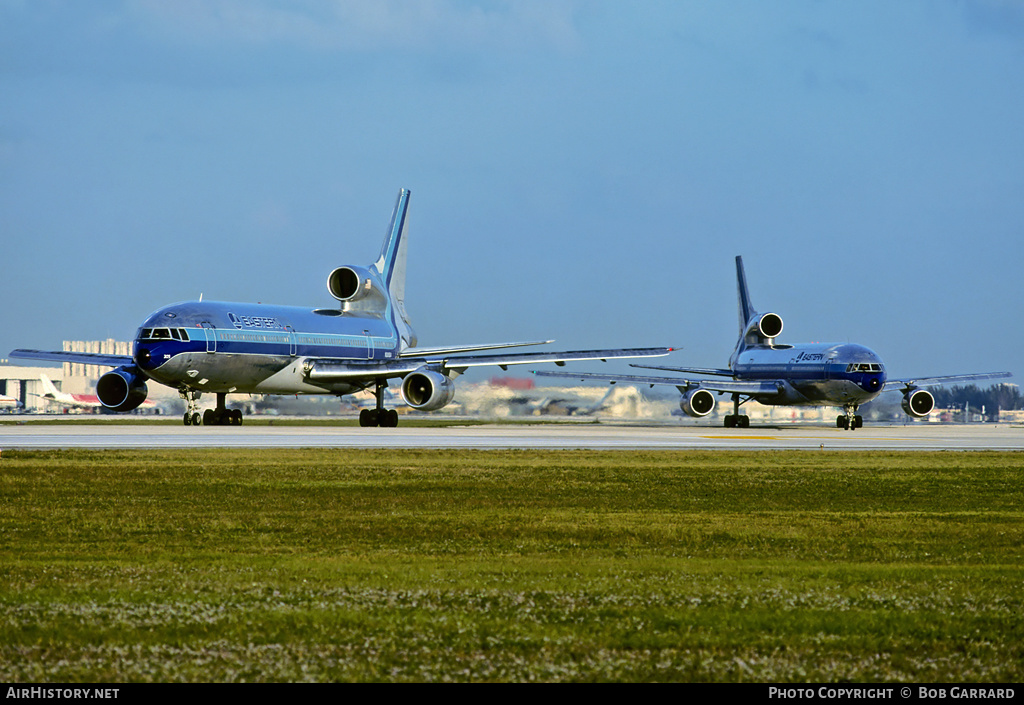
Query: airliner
{"points": [[844, 375], [208, 347], [54, 396]]}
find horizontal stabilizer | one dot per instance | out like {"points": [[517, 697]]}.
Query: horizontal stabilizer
{"points": [[79, 357]]}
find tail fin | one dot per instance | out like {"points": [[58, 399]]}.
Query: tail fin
{"points": [[390, 265], [48, 386], [755, 328], [746, 308]]}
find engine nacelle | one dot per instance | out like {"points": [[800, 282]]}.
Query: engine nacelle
{"points": [[122, 389], [427, 390], [769, 325], [766, 326], [697, 402], [918, 402], [350, 283]]}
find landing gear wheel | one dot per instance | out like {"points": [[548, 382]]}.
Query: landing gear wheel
{"points": [[737, 421], [191, 397], [368, 418], [850, 420], [384, 418]]}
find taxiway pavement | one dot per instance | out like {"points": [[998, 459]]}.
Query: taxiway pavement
{"points": [[602, 436]]}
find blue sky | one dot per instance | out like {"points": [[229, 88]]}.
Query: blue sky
{"points": [[580, 170]]}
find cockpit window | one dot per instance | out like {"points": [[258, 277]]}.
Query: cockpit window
{"points": [[158, 333], [863, 367]]}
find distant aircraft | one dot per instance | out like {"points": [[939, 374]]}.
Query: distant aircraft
{"points": [[54, 396], [9, 402], [569, 404], [223, 348], [66, 400], [812, 374]]}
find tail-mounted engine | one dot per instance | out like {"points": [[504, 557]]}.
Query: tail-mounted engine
{"points": [[122, 389], [765, 328], [697, 402], [356, 288], [427, 390], [918, 402]]}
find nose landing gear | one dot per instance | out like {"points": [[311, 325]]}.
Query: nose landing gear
{"points": [[220, 416], [851, 420]]}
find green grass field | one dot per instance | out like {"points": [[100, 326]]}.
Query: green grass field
{"points": [[225, 565]]}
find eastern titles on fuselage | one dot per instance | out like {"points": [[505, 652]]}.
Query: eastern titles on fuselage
{"points": [[254, 322]]}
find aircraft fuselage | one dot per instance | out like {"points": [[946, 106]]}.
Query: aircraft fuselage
{"points": [[256, 348], [813, 374]]}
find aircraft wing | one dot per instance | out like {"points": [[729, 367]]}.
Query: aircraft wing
{"points": [[453, 349], [905, 384], [761, 388], [80, 357], [690, 370], [327, 369], [460, 363]]}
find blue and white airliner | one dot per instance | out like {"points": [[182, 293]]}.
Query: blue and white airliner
{"points": [[208, 347], [843, 375]]}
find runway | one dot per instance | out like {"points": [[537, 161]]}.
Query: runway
{"points": [[601, 436]]}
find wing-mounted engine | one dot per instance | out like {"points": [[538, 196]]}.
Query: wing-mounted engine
{"points": [[122, 389], [697, 402], [763, 329], [358, 289], [918, 403], [427, 390]]}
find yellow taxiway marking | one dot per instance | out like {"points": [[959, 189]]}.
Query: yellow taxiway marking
{"points": [[746, 438]]}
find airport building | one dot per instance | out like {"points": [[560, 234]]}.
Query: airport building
{"points": [[81, 379], [23, 388]]}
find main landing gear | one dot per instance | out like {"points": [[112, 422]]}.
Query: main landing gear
{"points": [[220, 416], [851, 420], [735, 419], [385, 418]]}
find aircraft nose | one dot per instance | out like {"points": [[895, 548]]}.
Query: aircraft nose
{"points": [[143, 358]]}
